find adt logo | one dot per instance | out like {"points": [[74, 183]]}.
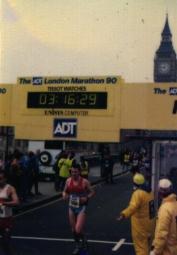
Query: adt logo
{"points": [[173, 91], [65, 128], [37, 80]]}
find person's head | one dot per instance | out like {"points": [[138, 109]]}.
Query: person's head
{"points": [[31, 154], [71, 155], [165, 187], [17, 154], [138, 180], [2, 178], [38, 152], [82, 160], [64, 155], [75, 171], [60, 155]]}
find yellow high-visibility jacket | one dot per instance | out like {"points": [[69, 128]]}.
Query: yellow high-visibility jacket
{"points": [[141, 211], [126, 158], [84, 169], [165, 241], [64, 166]]}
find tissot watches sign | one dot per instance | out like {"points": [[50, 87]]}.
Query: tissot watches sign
{"points": [[65, 128]]}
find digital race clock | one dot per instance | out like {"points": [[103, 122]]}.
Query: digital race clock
{"points": [[80, 100]]}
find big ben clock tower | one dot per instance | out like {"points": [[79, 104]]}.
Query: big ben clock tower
{"points": [[165, 62]]}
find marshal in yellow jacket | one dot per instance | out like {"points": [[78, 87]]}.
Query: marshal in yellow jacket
{"points": [[141, 211], [165, 241]]}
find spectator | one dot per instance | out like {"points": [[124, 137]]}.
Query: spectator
{"points": [[126, 160], [33, 173], [16, 172], [84, 168], [57, 170], [134, 161], [64, 170], [24, 176], [107, 166]]}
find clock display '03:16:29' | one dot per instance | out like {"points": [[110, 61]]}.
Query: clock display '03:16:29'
{"points": [[81, 100]]}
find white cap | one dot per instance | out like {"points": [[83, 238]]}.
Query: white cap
{"points": [[165, 186]]}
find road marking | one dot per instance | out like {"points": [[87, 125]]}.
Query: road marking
{"points": [[39, 207], [68, 240], [118, 244]]}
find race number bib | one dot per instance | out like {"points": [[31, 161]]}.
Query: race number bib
{"points": [[74, 201]]}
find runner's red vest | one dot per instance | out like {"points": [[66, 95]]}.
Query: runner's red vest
{"points": [[79, 188]]}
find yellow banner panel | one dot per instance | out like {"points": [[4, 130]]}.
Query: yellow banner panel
{"points": [[87, 112], [149, 106]]}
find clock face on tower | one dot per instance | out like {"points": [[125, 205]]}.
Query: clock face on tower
{"points": [[164, 67]]}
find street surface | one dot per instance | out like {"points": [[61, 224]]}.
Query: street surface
{"points": [[45, 230]]}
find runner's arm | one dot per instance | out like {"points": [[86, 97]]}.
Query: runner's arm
{"points": [[90, 189], [65, 194], [90, 192]]}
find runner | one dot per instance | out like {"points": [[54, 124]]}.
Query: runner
{"points": [[8, 198], [78, 190]]}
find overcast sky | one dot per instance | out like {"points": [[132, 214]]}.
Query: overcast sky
{"points": [[82, 37]]}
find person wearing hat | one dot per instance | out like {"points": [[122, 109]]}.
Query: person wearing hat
{"points": [[165, 240], [142, 213]]}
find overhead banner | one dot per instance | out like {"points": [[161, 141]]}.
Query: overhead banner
{"points": [[69, 108], [92, 109]]}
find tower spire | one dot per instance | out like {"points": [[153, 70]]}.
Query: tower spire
{"points": [[166, 31], [165, 62]]}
